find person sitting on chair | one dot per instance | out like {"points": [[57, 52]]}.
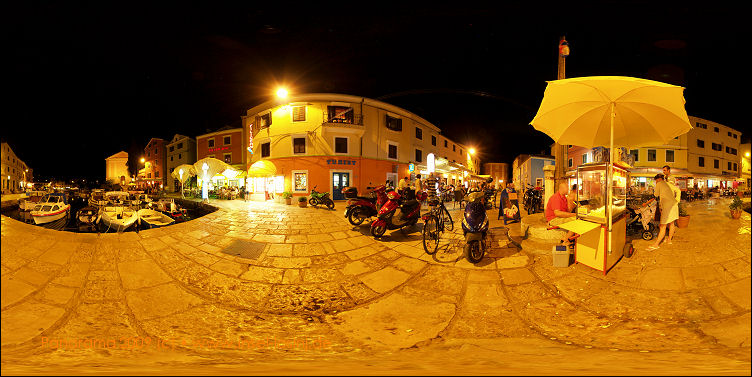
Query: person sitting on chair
{"points": [[557, 210]]}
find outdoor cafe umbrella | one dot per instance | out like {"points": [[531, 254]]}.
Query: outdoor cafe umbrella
{"points": [[183, 173], [612, 111], [206, 168]]}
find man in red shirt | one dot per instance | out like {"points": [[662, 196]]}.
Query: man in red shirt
{"points": [[557, 209]]}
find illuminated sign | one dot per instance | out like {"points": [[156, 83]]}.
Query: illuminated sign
{"points": [[411, 168], [218, 149], [250, 138], [340, 162], [431, 162]]}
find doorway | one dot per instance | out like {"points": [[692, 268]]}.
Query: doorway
{"points": [[340, 180]]}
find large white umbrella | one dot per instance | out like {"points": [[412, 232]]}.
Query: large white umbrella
{"points": [[206, 168], [612, 111], [183, 173]]}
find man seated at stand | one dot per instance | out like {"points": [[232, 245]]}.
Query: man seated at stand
{"points": [[557, 209]]}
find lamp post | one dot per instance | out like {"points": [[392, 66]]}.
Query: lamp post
{"points": [[182, 194], [204, 184]]}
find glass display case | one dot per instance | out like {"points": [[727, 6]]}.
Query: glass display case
{"points": [[592, 194]]}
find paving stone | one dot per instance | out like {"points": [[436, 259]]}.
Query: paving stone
{"points": [[160, 301], [263, 274], [385, 279], [291, 276], [280, 250], [56, 294], [517, 276], [152, 244], [662, 279], [14, 290], [27, 320], [307, 250], [516, 261], [229, 267], [57, 256], [738, 293], [409, 265], [341, 245], [140, 274], [700, 277], [294, 262], [30, 276], [320, 237], [72, 275]]}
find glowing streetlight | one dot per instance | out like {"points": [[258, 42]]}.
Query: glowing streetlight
{"points": [[205, 183], [181, 182], [472, 150], [746, 154], [143, 160], [282, 93]]}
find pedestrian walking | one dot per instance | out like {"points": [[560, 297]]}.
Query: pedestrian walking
{"points": [[669, 210]]}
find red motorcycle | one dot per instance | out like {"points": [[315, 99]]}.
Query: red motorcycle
{"points": [[397, 215], [360, 208]]}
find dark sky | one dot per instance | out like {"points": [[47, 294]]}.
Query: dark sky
{"points": [[84, 80]]}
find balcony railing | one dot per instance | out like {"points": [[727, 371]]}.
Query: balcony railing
{"points": [[355, 120]]}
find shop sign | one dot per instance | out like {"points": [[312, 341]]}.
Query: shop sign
{"points": [[431, 162], [218, 149], [340, 162], [250, 138], [411, 168]]}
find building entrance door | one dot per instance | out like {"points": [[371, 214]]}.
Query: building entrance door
{"points": [[393, 178], [339, 181]]}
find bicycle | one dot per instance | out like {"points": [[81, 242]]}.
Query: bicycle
{"points": [[435, 222]]}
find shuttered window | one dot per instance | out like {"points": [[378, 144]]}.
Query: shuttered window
{"points": [[298, 113]]}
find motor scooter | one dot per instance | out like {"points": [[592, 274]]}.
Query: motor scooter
{"points": [[475, 227], [360, 208], [396, 214]]}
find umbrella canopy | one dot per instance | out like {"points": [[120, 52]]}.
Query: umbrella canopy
{"points": [[213, 166], [578, 111], [188, 172], [262, 168]]}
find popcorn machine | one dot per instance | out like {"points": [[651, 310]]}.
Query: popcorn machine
{"points": [[591, 247]]}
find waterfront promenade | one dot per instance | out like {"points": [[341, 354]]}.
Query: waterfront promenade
{"points": [[239, 287]]}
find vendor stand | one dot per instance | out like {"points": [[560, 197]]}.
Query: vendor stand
{"points": [[618, 112]]}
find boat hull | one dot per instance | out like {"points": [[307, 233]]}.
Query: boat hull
{"points": [[48, 217], [154, 219], [110, 220]]}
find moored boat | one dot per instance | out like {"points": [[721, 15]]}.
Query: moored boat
{"points": [[86, 218], [97, 199], [51, 207], [31, 200], [154, 219], [118, 218]]}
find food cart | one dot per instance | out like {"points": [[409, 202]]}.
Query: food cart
{"points": [[591, 246]]}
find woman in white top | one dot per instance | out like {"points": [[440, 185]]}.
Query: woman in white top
{"points": [[669, 210]]}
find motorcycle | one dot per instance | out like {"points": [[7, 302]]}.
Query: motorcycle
{"points": [[360, 208], [475, 227], [320, 198], [396, 214], [533, 199]]}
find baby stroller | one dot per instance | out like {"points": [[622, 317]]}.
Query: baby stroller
{"points": [[641, 220]]}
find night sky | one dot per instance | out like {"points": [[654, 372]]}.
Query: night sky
{"points": [[84, 80]]}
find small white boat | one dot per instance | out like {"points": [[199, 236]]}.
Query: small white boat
{"points": [[154, 219], [169, 208], [97, 199], [51, 207], [32, 199], [118, 218], [86, 217], [118, 198], [141, 200]]}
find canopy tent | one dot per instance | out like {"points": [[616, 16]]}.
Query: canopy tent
{"points": [[183, 173], [206, 168]]}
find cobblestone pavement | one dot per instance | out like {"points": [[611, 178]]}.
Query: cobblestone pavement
{"points": [[236, 286]]}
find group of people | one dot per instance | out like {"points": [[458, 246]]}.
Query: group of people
{"points": [[561, 207]]}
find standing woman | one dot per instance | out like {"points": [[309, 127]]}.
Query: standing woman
{"points": [[669, 210]]}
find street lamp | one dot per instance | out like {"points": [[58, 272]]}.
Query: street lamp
{"points": [[472, 150], [181, 182], [282, 93]]}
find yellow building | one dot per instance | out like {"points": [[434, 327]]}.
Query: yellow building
{"points": [[16, 176], [117, 169], [707, 155], [745, 169], [330, 141]]}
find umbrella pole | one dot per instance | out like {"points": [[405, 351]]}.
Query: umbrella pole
{"points": [[609, 182]]}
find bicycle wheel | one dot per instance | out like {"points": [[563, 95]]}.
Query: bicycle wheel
{"points": [[431, 235], [448, 222]]}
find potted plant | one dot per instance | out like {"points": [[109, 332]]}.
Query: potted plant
{"points": [[736, 207], [302, 202], [288, 197], [683, 220]]}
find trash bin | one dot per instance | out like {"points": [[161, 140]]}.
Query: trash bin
{"points": [[561, 256]]}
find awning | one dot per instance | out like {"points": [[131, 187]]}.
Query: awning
{"points": [[262, 168]]}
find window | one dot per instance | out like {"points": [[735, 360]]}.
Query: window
{"points": [[418, 155], [148, 175], [454, 147], [156, 174], [700, 143], [148, 154], [394, 124], [210, 143], [569, 163], [716, 129], [156, 151], [392, 151], [669, 155], [445, 144], [172, 148], [635, 154], [265, 150], [433, 140], [265, 120], [180, 155], [298, 145], [227, 158], [717, 147], [736, 136], [735, 166], [461, 151], [729, 165], [584, 158], [300, 181], [729, 133], [716, 164], [731, 151], [340, 114], [702, 125], [340, 145], [418, 133], [226, 140], [651, 154], [570, 146], [171, 158], [298, 113], [180, 145], [172, 170]]}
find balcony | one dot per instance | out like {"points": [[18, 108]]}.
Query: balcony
{"points": [[349, 124]]}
